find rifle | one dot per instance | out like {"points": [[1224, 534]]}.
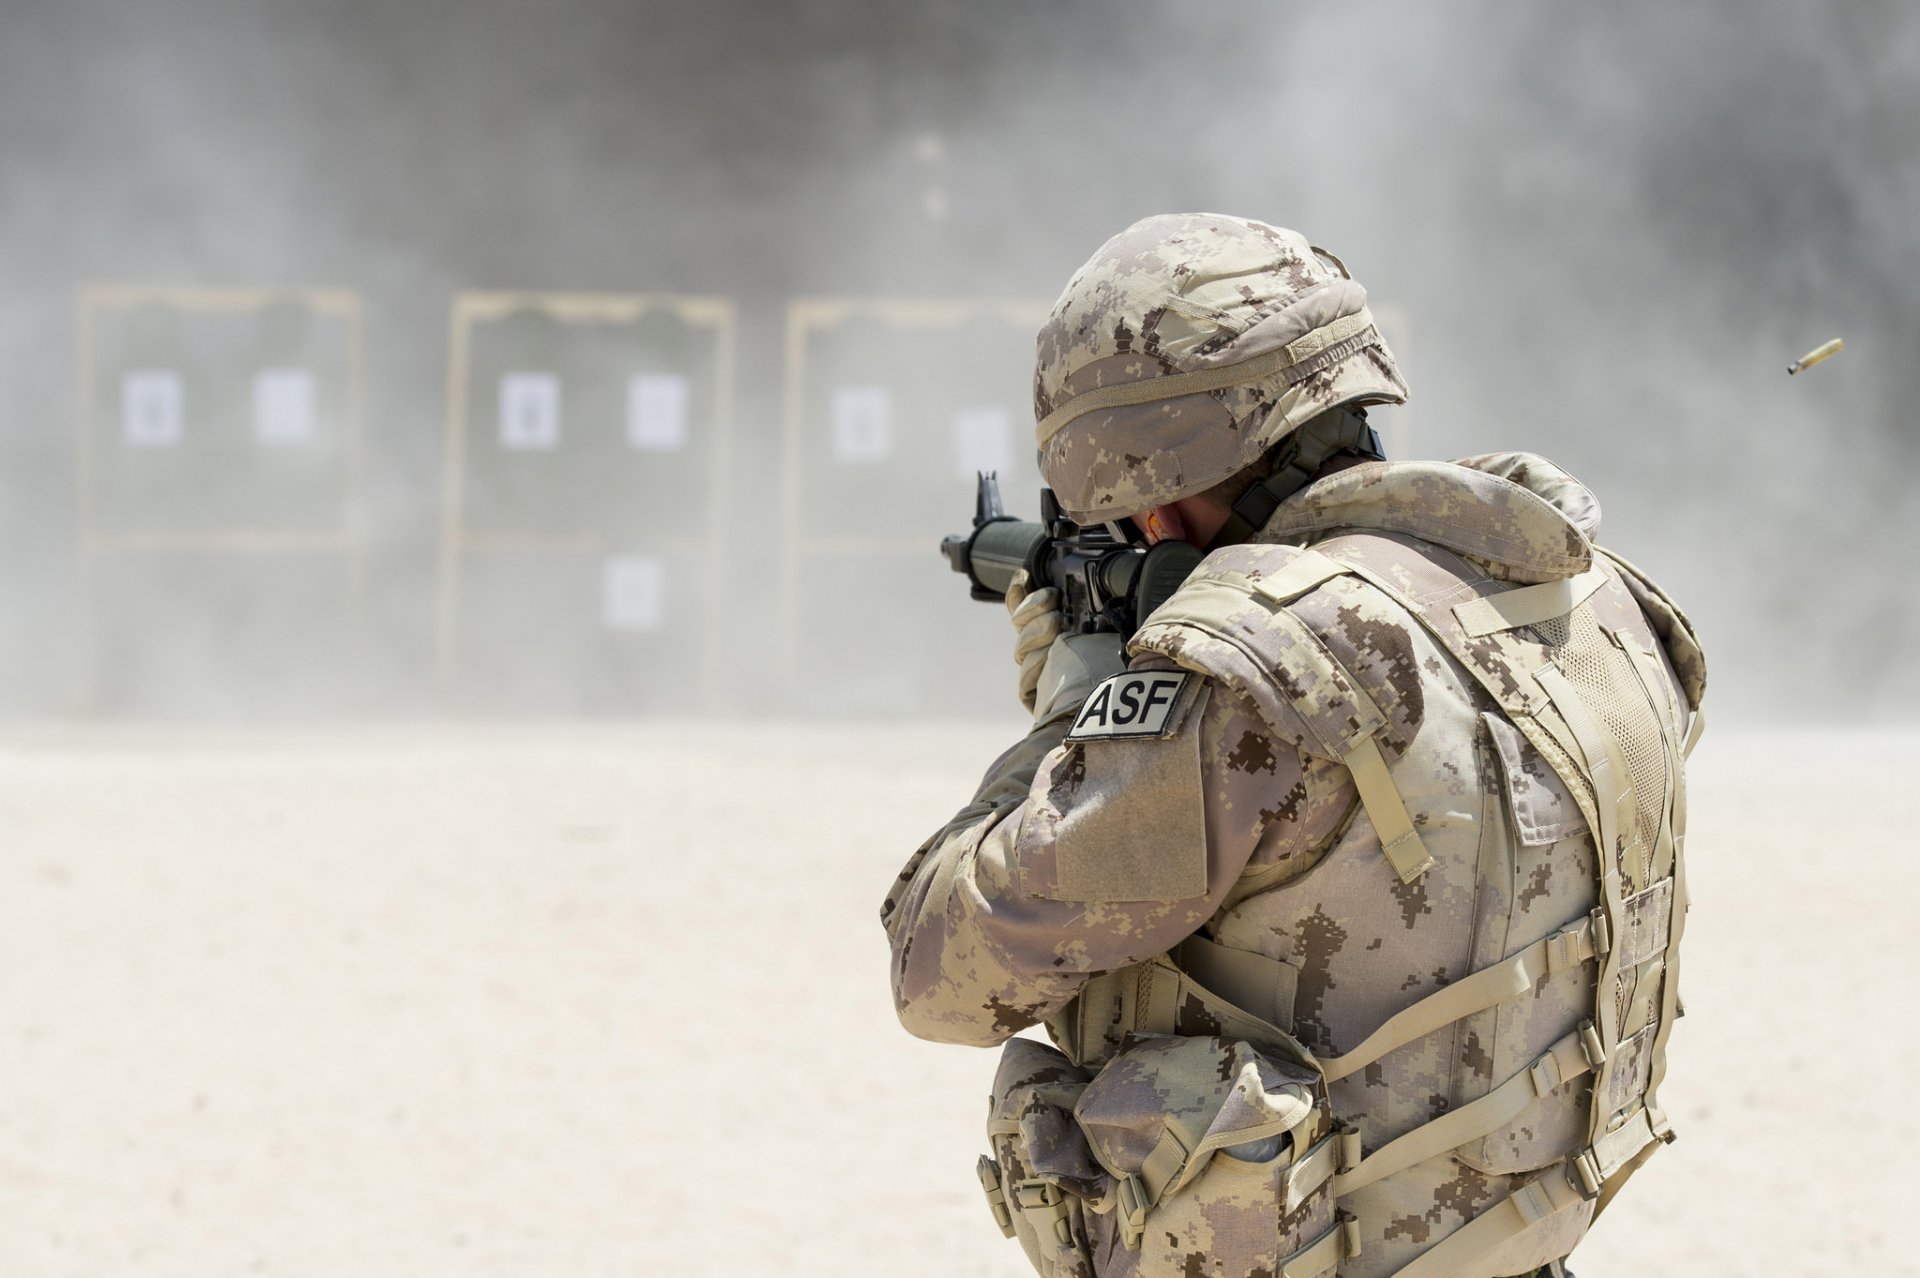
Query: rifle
{"points": [[1106, 583]]}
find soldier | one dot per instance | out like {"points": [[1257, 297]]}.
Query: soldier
{"points": [[1351, 889]]}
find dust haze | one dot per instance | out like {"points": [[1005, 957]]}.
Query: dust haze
{"points": [[1606, 230], [332, 940]]}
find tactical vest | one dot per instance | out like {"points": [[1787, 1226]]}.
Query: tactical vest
{"points": [[1478, 977]]}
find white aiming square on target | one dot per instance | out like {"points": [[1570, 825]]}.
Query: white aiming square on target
{"points": [[152, 404], [862, 423], [657, 412], [529, 412], [982, 440], [632, 593], [283, 407]]}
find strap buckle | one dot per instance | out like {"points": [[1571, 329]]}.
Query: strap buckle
{"points": [[1347, 1145], [1533, 1202], [1590, 1045], [1545, 1074], [1570, 947], [1132, 1210], [1586, 1174], [1349, 1226], [1044, 1205], [996, 1195], [1602, 933]]}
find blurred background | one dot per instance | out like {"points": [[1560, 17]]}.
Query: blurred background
{"points": [[593, 358], [474, 649]]}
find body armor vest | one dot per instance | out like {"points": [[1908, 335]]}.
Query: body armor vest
{"points": [[1481, 969]]}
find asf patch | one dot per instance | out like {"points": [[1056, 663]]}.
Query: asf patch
{"points": [[1138, 703]]}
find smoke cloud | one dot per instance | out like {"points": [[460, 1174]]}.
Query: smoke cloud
{"points": [[1608, 228]]}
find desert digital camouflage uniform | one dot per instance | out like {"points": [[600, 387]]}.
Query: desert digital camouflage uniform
{"points": [[1339, 976]]}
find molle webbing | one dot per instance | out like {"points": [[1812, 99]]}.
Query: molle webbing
{"points": [[1672, 839], [1573, 687], [1486, 988], [1569, 1059], [1570, 727], [1264, 986]]}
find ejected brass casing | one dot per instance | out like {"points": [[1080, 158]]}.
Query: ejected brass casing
{"points": [[1826, 350]]}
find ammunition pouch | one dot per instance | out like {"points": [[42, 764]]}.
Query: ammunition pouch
{"points": [[1179, 1151]]}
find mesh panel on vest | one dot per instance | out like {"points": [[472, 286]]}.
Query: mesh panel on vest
{"points": [[1554, 632], [1605, 679]]}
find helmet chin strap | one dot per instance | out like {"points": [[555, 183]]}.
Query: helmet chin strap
{"points": [[1317, 441]]}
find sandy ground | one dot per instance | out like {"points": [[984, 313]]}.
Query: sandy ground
{"points": [[575, 1002]]}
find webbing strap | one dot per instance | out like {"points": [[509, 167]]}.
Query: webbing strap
{"points": [[1606, 765], [1162, 1164], [1565, 1061], [1489, 986], [1534, 1201], [1673, 829], [1174, 987], [1613, 804], [1613, 800], [1142, 998], [1319, 1257], [1378, 795], [1619, 1178], [1669, 1001], [1352, 740], [1248, 371], [1670, 719], [1693, 733], [1616, 1148], [1528, 605], [1246, 978], [1157, 1009], [1299, 575]]}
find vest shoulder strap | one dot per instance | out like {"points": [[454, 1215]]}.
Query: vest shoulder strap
{"points": [[1670, 625], [1237, 627]]}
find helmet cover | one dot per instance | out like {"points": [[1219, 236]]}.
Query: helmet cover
{"points": [[1184, 349]]}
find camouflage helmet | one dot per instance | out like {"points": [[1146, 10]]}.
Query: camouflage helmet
{"points": [[1187, 346]]}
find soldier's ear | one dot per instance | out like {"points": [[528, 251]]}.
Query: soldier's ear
{"points": [[1163, 523]]}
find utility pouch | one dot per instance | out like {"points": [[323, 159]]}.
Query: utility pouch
{"points": [[1221, 1160], [1041, 1179]]}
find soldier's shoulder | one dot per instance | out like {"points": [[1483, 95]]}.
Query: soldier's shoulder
{"points": [[1238, 621], [1220, 595]]}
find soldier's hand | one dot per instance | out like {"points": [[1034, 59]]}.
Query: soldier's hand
{"points": [[1036, 624]]}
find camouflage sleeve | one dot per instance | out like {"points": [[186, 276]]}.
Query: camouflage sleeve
{"points": [[1080, 857]]}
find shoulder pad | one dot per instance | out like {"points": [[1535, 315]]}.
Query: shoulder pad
{"points": [[1230, 622]]}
